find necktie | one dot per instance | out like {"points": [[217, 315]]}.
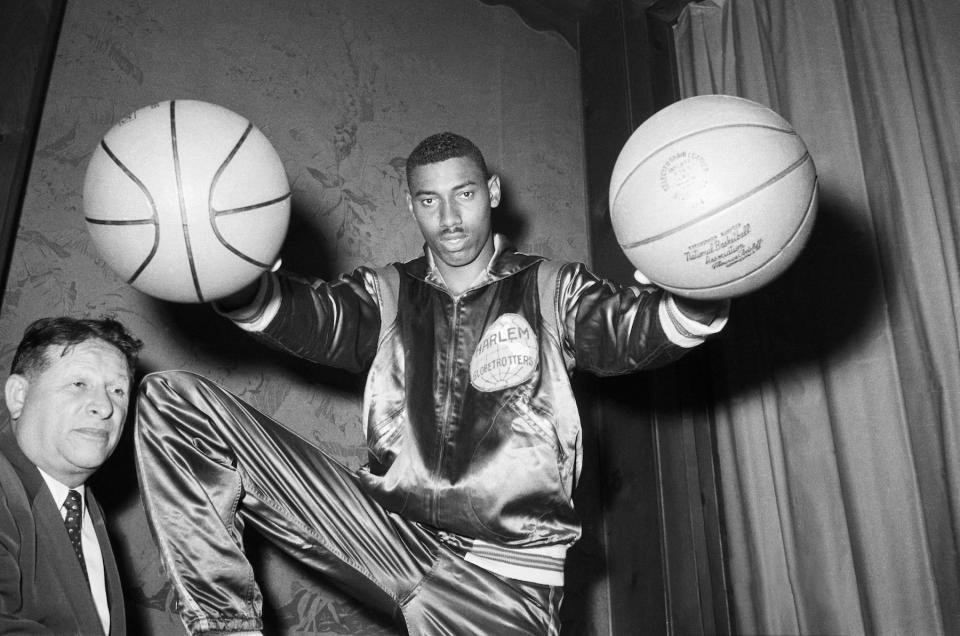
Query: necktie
{"points": [[73, 521]]}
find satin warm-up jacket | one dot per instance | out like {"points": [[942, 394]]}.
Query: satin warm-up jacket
{"points": [[470, 420]]}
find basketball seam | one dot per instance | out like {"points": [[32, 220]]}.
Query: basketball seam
{"points": [[183, 204], [214, 213], [218, 213], [153, 209], [727, 205], [694, 133], [800, 226], [118, 222]]}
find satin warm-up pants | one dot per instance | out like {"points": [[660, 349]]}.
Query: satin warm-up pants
{"points": [[209, 465]]}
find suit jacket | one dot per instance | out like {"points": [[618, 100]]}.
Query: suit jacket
{"points": [[42, 588]]}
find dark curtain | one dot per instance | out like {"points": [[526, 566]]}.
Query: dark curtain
{"points": [[838, 393]]}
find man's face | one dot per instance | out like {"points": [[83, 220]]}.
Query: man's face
{"points": [[68, 418], [451, 201]]}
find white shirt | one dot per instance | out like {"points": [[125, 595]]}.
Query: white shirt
{"points": [[91, 547]]}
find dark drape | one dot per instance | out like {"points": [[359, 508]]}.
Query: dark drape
{"points": [[838, 392]]}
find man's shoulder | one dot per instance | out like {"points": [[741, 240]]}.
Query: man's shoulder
{"points": [[15, 468], [8, 472], [14, 499], [416, 267]]}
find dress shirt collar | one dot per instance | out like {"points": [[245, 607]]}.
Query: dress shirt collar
{"points": [[59, 490]]}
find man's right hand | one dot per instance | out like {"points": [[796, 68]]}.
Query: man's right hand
{"points": [[240, 298], [245, 295]]}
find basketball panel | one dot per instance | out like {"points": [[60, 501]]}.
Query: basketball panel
{"points": [[206, 137], [145, 129], [730, 244], [141, 146], [700, 175], [110, 194], [142, 155], [686, 117], [168, 275], [257, 233], [200, 123], [254, 174], [222, 273], [125, 248], [763, 275]]}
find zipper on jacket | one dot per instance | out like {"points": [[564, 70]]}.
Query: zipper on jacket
{"points": [[448, 399]]}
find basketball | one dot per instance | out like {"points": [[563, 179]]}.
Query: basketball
{"points": [[187, 201], [713, 197]]}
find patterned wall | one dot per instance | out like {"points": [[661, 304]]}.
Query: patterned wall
{"points": [[343, 89]]}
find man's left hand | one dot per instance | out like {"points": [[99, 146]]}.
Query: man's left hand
{"points": [[703, 311]]}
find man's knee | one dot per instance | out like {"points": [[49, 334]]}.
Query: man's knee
{"points": [[162, 382], [166, 398], [188, 404]]}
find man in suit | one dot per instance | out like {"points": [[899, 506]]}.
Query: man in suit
{"points": [[67, 397]]}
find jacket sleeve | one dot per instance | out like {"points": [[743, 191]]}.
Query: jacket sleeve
{"points": [[332, 323], [610, 329], [11, 583]]}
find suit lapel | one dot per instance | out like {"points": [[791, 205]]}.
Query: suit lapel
{"points": [[63, 560], [110, 571]]}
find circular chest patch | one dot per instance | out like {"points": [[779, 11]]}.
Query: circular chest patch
{"points": [[507, 354]]}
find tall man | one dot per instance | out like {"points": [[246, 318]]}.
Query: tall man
{"points": [[67, 397], [461, 520]]}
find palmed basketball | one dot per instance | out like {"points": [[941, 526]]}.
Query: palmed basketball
{"points": [[186, 200], [713, 197]]}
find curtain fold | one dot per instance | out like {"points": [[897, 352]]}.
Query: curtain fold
{"points": [[839, 386]]}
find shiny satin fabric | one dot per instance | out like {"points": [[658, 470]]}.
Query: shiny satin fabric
{"points": [[209, 464], [492, 458]]}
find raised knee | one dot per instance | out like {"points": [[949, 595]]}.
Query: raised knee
{"points": [[164, 381], [164, 397]]}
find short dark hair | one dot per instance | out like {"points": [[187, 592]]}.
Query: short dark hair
{"points": [[67, 332], [443, 146]]}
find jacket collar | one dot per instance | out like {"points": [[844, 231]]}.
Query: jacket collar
{"points": [[505, 262]]}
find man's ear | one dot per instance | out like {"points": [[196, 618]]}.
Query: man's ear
{"points": [[493, 187], [15, 394], [410, 204]]}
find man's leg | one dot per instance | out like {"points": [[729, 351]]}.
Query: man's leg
{"points": [[208, 463], [457, 597]]}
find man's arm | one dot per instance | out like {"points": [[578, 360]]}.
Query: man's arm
{"points": [[702, 311], [239, 299], [11, 583], [612, 329], [335, 324]]}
